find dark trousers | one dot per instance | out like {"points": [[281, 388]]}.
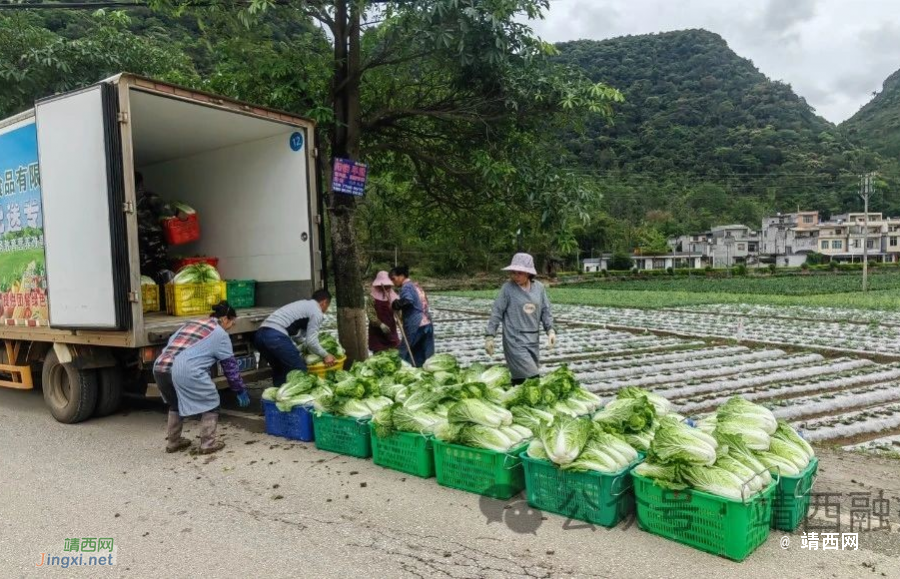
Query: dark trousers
{"points": [[166, 389], [517, 381], [280, 352], [421, 342]]}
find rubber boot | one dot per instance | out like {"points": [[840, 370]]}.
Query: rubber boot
{"points": [[208, 443], [175, 441]]}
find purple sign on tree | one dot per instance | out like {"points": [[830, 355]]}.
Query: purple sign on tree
{"points": [[349, 177]]}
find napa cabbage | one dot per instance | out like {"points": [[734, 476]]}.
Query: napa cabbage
{"points": [[566, 438], [476, 411], [678, 443]]}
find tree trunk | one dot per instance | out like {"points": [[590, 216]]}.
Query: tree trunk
{"points": [[345, 144], [348, 282]]}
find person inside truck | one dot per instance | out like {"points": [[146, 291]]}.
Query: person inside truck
{"points": [[183, 377], [151, 241], [301, 318]]}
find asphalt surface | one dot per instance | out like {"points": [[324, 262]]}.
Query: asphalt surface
{"points": [[267, 507]]}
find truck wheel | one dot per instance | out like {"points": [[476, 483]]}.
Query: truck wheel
{"points": [[71, 394], [109, 397]]}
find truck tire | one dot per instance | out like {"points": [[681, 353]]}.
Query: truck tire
{"points": [[70, 394], [109, 396]]}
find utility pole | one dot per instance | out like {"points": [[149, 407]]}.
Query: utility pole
{"points": [[865, 188]]}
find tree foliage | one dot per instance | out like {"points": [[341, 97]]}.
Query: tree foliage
{"points": [[36, 62]]}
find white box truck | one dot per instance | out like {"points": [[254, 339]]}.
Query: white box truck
{"points": [[70, 281]]}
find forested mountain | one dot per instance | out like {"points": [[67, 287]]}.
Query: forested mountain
{"points": [[877, 124], [704, 137]]}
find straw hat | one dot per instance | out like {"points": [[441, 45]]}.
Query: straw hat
{"points": [[522, 262], [382, 279]]}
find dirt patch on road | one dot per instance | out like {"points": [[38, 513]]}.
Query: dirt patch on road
{"points": [[857, 492]]}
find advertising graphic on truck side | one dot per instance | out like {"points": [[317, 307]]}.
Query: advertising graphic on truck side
{"points": [[23, 282]]}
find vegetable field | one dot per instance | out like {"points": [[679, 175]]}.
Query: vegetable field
{"points": [[814, 328], [795, 285], [848, 401], [699, 290]]}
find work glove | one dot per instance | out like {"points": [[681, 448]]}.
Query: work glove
{"points": [[489, 345], [385, 329], [243, 399], [551, 339]]}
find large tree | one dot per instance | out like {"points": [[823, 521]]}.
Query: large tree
{"points": [[456, 102]]}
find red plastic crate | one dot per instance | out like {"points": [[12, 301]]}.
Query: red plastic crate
{"points": [[179, 232], [186, 261]]}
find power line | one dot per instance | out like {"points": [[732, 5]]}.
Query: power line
{"points": [[113, 4]]}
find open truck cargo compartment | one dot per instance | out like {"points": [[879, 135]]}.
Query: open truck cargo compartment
{"points": [[249, 172], [70, 261]]}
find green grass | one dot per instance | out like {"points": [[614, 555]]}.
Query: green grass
{"points": [[606, 295], [797, 285], [13, 264]]}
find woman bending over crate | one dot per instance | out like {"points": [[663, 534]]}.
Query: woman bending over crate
{"points": [[183, 377]]}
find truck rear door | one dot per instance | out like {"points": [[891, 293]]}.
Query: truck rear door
{"points": [[80, 155]]}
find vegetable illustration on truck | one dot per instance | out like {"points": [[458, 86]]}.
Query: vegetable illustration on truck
{"points": [[23, 282]]}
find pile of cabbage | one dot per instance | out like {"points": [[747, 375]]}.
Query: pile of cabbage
{"points": [[774, 442], [505, 420], [197, 273], [477, 406], [536, 402], [357, 394], [459, 406], [580, 444], [634, 416], [729, 454], [301, 389], [329, 343]]}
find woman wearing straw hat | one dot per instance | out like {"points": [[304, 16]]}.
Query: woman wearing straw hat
{"points": [[522, 307], [382, 323]]}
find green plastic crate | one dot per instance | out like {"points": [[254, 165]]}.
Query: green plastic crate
{"points": [[717, 525], [241, 293], [342, 435], [404, 451], [792, 497], [594, 497], [485, 472]]}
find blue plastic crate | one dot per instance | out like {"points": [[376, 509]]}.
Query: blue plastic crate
{"points": [[296, 424]]}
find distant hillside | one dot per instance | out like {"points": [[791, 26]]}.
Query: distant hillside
{"points": [[877, 124], [703, 131]]}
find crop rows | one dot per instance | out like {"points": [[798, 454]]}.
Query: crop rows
{"points": [[817, 375], [849, 400], [875, 318], [870, 338]]}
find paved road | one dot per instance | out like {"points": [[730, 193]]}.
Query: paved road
{"points": [[269, 508]]}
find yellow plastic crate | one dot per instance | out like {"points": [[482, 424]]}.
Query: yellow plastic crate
{"points": [[321, 369], [150, 298], [194, 299]]}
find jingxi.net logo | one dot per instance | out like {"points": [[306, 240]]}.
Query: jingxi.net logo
{"points": [[97, 552]]}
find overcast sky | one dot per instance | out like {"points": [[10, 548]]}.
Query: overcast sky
{"points": [[834, 53]]}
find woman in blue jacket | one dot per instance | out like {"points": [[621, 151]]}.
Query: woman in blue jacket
{"points": [[183, 377]]}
